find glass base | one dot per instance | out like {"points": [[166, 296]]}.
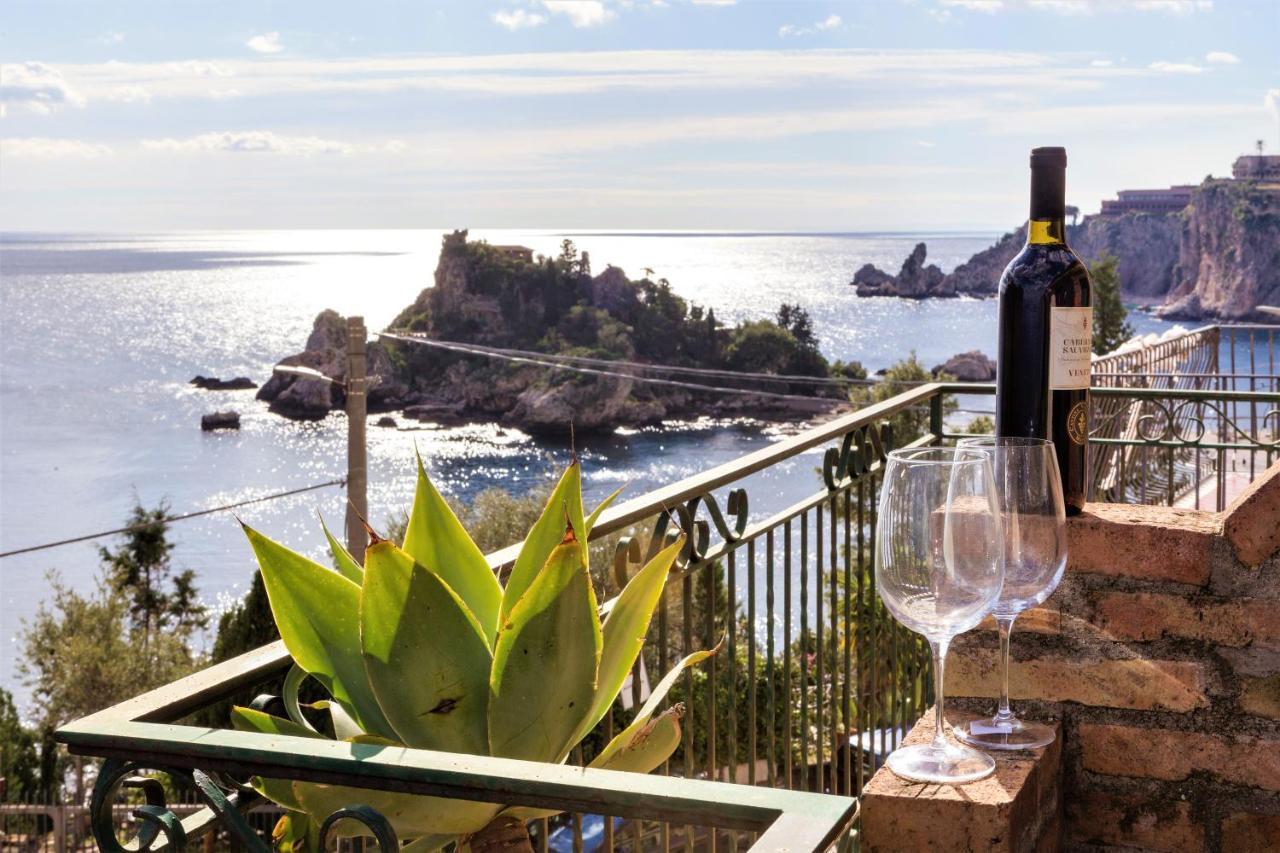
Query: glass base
{"points": [[950, 765], [990, 733]]}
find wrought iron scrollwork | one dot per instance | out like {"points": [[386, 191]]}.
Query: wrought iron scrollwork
{"points": [[860, 451], [698, 544], [155, 817], [372, 820], [1187, 422]]}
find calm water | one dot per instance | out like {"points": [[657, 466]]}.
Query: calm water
{"points": [[102, 332]]}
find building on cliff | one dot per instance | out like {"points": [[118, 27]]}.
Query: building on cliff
{"points": [[519, 253], [1171, 200], [1256, 167]]}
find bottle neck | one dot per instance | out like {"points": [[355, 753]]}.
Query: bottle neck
{"points": [[1048, 203], [1046, 231]]}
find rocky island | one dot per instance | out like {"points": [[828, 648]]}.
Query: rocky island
{"points": [[1205, 252], [504, 297]]}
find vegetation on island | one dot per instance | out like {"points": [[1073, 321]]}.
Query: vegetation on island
{"points": [[493, 296]]}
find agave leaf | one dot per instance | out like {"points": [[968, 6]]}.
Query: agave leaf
{"points": [[347, 565], [427, 844], [647, 748], [318, 613], [344, 728], [624, 630], [435, 538], [426, 655], [296, 832], [565, 503], [410, 815], [595, 513], [545, 661], [645, 714], [279, 791]]}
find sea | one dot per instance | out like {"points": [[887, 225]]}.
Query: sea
{"points": [[101, 333]]}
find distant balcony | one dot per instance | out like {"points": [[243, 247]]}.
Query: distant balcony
{"points": [[815, 684]]}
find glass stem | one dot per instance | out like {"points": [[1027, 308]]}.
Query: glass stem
{"points": [[1005, 626], [939, 665]]}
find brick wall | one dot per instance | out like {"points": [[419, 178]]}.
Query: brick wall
{"points": [[1160, 654]]}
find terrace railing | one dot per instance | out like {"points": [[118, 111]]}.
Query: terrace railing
{"points": [[1191, 449], [813, 685]]}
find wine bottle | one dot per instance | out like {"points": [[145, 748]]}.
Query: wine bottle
{"points": [[1046, 333]]}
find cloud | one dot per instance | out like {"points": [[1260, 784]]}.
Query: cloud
{"points": [[1175, 67], [715, 2], [831, 22], [129, 95], [581, 13], [265, 43], [1074, 7], [111, 38], [985, 6], [518, 19], [1101, 63], [36, 87], [1221, 57], [535, 74], [1175, 7], [266, 142], [1271, 101], [192, 68], [45, 148]]}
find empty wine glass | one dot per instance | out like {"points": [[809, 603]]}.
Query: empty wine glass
{"points": [[939, 565], [1035, 539]]}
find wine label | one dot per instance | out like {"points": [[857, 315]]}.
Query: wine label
{"points": [[1078, 421], [1070, 347]]}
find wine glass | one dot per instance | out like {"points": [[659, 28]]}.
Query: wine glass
{"points": [[1035, 540], [939, 565]]}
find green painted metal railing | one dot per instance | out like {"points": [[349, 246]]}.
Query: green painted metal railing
{"points": [[813, 687]]}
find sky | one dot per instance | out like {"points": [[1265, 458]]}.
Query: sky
{"points": [[885, 115]]}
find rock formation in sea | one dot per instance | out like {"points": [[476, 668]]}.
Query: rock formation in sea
{"points": [[1217, 259], [303, 398], [972, 366], [913, 281], [500, 296]]}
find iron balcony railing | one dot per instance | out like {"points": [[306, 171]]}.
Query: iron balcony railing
{"points": [[813, 686]]}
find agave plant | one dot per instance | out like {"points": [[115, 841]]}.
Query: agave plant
{"points": [[423, 647]]}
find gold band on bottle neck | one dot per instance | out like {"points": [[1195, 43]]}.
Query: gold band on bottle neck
{"points": [[1045, 231]]}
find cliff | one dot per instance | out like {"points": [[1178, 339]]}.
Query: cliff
{"points": [[1218, 259], [1229, 253], [1146, 245]]}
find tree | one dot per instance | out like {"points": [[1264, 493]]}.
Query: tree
{"points": [[19, 760], [796, 320], [902, 376], [981, 425], [761, 347], [139, 569], [1110, 328], [84, 653]]}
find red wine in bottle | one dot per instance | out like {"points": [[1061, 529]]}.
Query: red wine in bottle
{"points": [[1046, 333]]}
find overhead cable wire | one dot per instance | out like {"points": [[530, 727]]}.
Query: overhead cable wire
{"points": [[786, 378], [144, 525], [538, 359]]}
